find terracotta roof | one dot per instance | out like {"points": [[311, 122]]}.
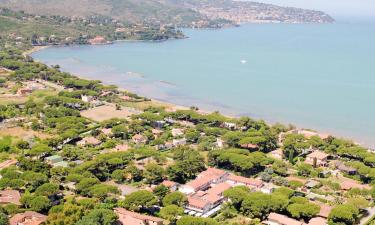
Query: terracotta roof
{"points": [[219, 189], [7, 163], [317, 221], [168, 183], [348, 184], [283, 220], [318, 155], [122, 147], [107, 131], [206, 177], [121, 212], [10, 196], [197, 202], [245, 180], [139, 137], [27, 218], [324, 210]]}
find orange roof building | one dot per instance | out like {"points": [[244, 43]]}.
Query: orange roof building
{"points": [[10, 196], [278, 219], [131, 218], [27, 218]]}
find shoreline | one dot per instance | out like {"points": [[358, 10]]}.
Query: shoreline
{"points": [[174, 106]]}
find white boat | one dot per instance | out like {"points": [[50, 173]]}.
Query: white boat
{"points": [[243, 61]]}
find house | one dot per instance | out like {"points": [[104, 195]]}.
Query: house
{"points": [[24, 91], [98, 40], [344, 168], [312, 184], [318, 221], [126, 217], [7, 163], [121, 147], [204, 180], [89, 141], [27, 218], [268, 188], [317, 158], [86, 98], [250, 146], [177, 132], [53, 159], [107, 131], [198, 205], [278, 219], [250, 182], [277, 154], [230, 126], [157, 133], [139, 139], [220, 143], [158, 124], [10, 197], [325, 209], [178, 142], [172, 186]]}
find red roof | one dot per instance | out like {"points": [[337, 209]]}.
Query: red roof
{"points": [[27, 218], [169, 183], [132, 218], [7, 163], [244, 180], [317, 221], [318, 155], [10, 196], [219, 189], [283, 220], [197, 202]]}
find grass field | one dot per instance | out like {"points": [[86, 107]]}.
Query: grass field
{"points": [[107, 112]]}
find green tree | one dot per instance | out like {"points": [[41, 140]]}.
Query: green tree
{"points": [[343, 214], [189, 220], [139, 200], [99, 217], [171, 213], [175, 198], [154, 173], [161, 191], [3, 219], [47, 189]]}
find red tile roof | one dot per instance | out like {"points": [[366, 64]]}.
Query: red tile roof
{"points": [[169, 183], [317, 221], [219, 189], [7, 163], [27, 218], [197, 202], [283, 220], [245, 180], [10, 196], [131, 218], [318, 155]]}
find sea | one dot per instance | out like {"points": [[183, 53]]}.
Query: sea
{"points": [[316, 76]]}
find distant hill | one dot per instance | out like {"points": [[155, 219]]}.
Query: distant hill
{"points": [[177, 12]]}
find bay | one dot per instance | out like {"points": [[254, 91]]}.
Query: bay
{"points": [[319, 76]]}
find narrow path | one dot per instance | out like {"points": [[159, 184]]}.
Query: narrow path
{"points": [[371, 213]]}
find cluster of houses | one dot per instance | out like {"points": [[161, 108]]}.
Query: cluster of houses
{"points": [[29, 87], [205, 193]]}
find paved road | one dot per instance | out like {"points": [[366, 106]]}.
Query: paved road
{"points": [[371, 213]]}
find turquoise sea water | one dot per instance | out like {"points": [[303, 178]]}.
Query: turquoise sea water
{"points": [[315, 76]]}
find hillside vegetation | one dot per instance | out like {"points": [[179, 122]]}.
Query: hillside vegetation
{"points": [[205, 13]]}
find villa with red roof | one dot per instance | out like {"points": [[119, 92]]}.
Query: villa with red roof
{"points": [[27, 218], [318, 157], [205, 193], [126, 217]]}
